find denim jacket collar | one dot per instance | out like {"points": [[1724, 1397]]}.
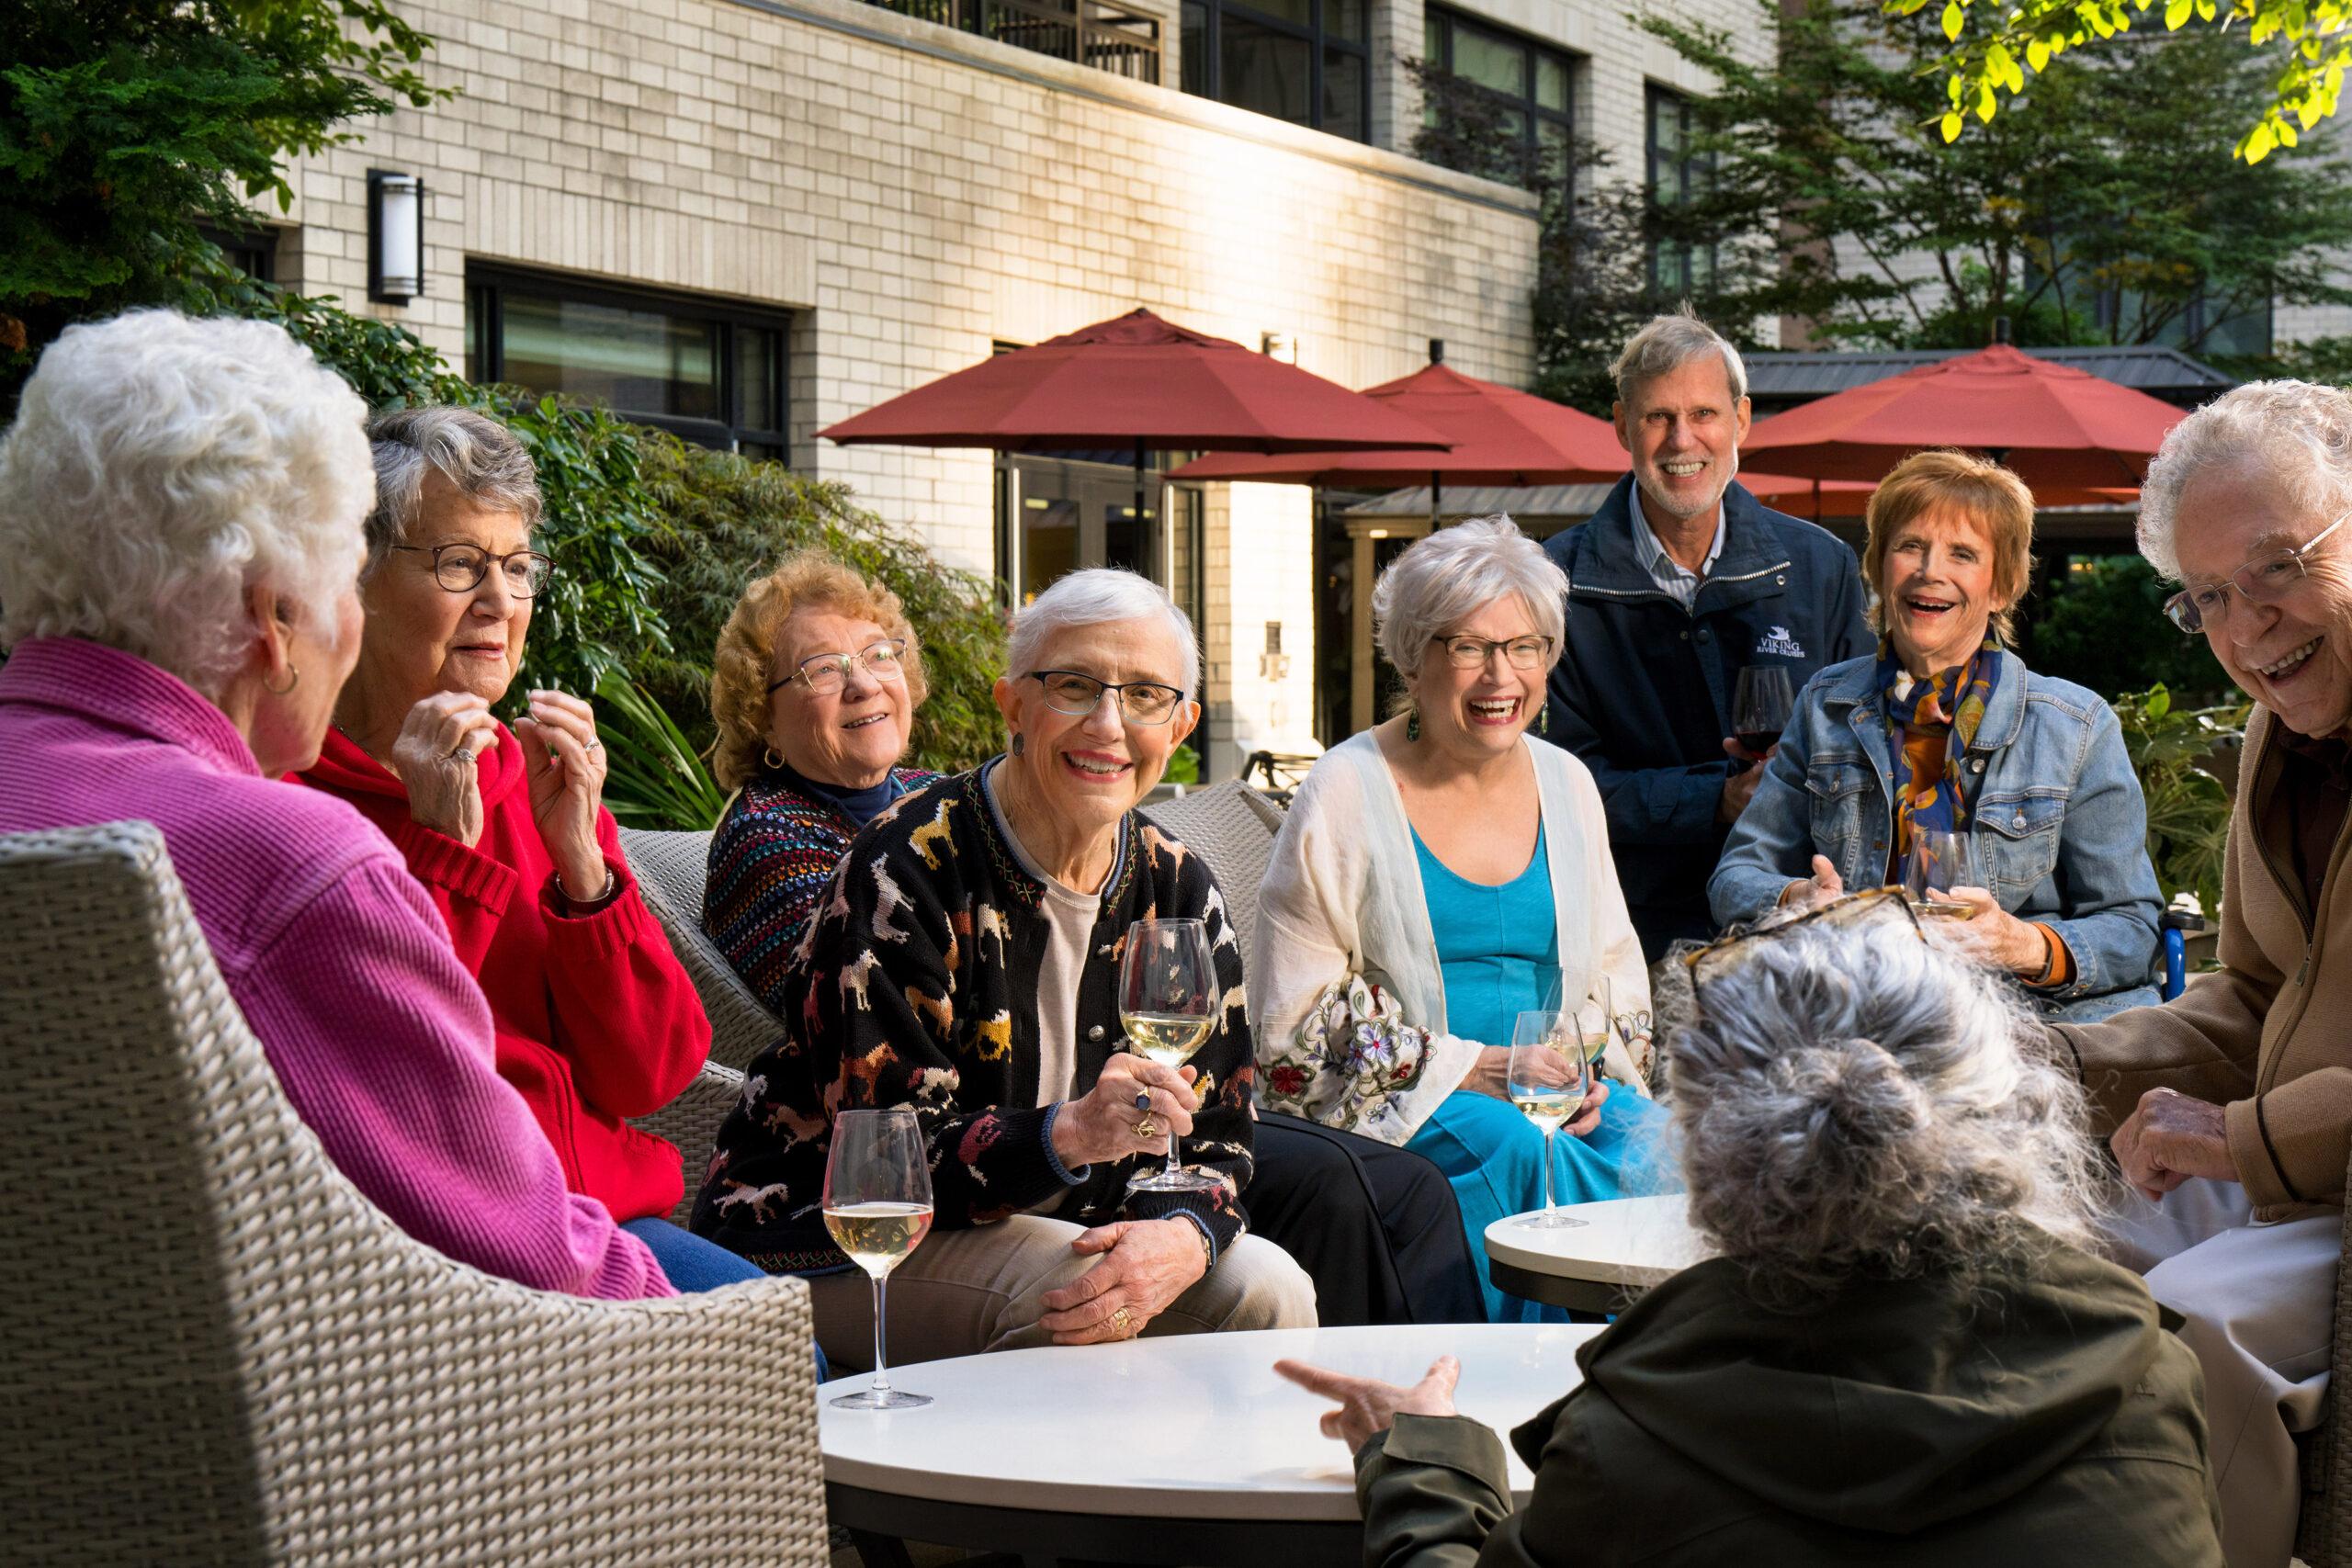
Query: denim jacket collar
{"points": [[2004, 716]]}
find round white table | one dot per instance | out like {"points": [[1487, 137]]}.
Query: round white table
{"points": [[1186, 1450], [1624, 1247]]}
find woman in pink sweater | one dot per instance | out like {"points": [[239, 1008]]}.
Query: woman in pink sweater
{"points": [[180, 509]]}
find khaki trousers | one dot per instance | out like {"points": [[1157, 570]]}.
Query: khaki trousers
{"points": [[962, 1292], [2260, 1300]]}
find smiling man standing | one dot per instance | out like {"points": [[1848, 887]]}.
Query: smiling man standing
{"points": [[1679, 582], [2232, 1104]]}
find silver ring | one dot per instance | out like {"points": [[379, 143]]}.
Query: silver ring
{"points": [[463, 754], [594, 745]]}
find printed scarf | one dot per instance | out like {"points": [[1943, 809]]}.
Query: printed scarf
{"points": [[1951, 704]]}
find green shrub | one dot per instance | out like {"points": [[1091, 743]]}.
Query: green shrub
{"points": [[2104, 627], [2177, 751]]}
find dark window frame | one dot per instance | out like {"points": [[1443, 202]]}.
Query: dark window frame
{"points": [[1321, 44], [1447, 23], [252, 252], [1689, 168], [486, 348]]}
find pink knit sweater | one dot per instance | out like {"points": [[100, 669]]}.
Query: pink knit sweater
{"points": [[344, 970]]}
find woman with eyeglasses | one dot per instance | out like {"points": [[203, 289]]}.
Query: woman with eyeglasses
{"points": [[505, 829], [814, 687], [965, 961], [1440, 875], [1944, 731]]}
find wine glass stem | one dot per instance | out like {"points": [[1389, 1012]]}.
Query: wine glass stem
{"points": [[1172, 1171], [881, 1383], [1547, 1169]]}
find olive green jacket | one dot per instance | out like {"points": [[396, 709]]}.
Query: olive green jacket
{"points": [[2046, 1420]]}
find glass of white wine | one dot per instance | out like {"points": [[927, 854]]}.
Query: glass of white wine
{"points": [[877, 1206], [1937, 862], [1549, 1079], [1169, 1000]]}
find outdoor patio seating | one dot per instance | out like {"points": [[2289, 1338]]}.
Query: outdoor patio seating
{"points": [[1232, 827], [220, 1353], [670, 869]]}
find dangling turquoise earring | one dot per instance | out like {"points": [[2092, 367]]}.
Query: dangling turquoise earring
{"points": [[1413, 724]]}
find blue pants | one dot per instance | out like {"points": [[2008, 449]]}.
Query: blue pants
{"points": [[693, 1264], [1494, 1157]]}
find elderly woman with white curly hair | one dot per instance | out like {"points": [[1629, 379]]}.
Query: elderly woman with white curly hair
{"points": [[1437, 876], [965, 963], [1903, 1350], [180, 543], [2232, 1104]]}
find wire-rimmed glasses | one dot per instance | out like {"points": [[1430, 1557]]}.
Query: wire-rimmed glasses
{"points": [[2265, 579], [825, 674], [459, 568], [1472, 652], [1077, 694]]}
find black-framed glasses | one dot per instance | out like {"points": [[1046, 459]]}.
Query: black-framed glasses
{"points": [[460, 568], [1472, 652], [1140, 702], [825, 674], [2265, 579], [1872, 906]]}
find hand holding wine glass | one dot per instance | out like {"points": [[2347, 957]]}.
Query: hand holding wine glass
{"points": [[1550, 1076], [878, 1208], [1168, 999], [1937, 862]]}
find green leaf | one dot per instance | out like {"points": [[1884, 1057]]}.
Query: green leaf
{"points": [[1952, 18], [2178, 12], [2037, 54], [1951, 124]]}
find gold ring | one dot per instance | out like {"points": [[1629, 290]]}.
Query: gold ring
{"points": [[1147, 1128], [1123, 1323]]}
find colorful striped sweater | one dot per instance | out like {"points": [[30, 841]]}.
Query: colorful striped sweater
{"points": [[770, 858]]}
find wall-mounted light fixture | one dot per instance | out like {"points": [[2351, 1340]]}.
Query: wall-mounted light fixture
{"points": [[395, 237]]}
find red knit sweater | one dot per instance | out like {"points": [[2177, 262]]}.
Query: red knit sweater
{"points": [[595, 1020]]}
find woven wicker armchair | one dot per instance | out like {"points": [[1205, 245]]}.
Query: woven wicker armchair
{"points": [[1232, 827], [219, 1352], [2324, 1535], [669, 870]]}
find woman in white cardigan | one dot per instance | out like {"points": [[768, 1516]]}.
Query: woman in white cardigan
{"points": [[1437, 875]]}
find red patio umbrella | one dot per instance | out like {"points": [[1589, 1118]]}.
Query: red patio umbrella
{"points": [[2056, 427], [1133, 382], [1820, 499], [1500, 437]]}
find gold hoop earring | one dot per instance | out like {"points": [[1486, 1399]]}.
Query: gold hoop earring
{"points": [[293, 679], [772, 760]]}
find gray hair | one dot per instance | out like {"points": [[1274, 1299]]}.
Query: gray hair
{"points": [[1442, 579], [1666, 344], [1857, 1103], [1096, 596], [480, 458], [159, 469], [2295, 435]]}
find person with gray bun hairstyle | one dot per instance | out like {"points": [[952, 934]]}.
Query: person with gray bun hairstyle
{"points": [[1902, 1351]]}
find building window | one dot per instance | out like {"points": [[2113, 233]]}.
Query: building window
{"points": [[708, 372], [1304, 61], [1533, 81], [1101, 33], [1678, 176], [252, 252]]}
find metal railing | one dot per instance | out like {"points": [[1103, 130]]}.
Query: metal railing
{"points": [[1100, 33]]}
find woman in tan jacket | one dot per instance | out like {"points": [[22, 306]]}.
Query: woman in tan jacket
{"points": [[2231, 1105]]}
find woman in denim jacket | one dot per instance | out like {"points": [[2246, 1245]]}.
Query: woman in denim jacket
{"points": [[1942, 729]]}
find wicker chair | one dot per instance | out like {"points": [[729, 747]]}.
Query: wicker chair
{"points": [[2323, 1534], [219, 1352], [1232, 827], [670, 869]]}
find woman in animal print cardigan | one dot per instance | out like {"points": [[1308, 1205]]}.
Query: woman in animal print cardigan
{"points": [[965, 963]]}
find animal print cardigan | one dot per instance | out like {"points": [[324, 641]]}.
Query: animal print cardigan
{"points": [[915, 985]]}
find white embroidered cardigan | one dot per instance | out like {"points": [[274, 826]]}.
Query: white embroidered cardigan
{"points": [[1343, 895]]}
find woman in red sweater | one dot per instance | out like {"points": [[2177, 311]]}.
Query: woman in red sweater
{"points": [[505, 829]]}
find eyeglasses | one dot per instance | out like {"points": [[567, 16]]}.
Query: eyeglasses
{"points": [[1872, 906], [1141, 702], [826, 673], [460, 568], [1472, 652], [2266, 579]]}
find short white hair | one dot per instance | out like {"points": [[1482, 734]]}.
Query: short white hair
{"points": [[1668, 344], [2296, 437], [1095, 596], [1442, 579], [161, 466]]}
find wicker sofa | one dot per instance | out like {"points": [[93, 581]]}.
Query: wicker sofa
{"points": [[219, 1352]]}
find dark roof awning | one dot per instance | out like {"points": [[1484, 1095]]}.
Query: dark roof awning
{"points": [[1779, 379]]}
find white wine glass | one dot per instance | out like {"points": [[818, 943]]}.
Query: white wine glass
{"points": [[1549, 1078], [1938, 863], [1169, 1000], [877, 1206]]}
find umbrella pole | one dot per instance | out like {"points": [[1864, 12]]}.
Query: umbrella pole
{"points": [[1139, 511], [1437, 501]]}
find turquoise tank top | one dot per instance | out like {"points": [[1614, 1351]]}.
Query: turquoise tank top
{"points": [[1498, 948]]}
